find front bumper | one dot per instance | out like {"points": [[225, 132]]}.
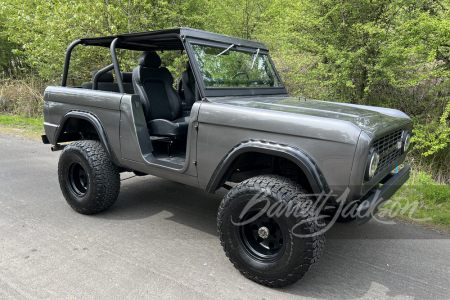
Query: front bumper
{"points": [[378, 197]]}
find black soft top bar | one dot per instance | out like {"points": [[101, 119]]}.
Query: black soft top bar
{"points": [[165, 39]]}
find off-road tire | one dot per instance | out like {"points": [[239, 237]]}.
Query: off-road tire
{"points": [[300, 253], [103, 179]]}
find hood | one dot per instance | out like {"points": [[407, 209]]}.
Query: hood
{"points": [[372, 120]]}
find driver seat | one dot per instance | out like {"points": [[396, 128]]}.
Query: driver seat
{"points": [[160, 102]]}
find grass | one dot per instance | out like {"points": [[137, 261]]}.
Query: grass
{"points": [[22, 126], [421, 201]]}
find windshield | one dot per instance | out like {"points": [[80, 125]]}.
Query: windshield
{"points": [[229, 68]]}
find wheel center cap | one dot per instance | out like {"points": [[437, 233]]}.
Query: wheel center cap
{"points": [[263, 232]]}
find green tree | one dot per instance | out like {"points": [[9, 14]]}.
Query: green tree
{"points": [[9, 58], [45, 28], [240, 18], [353, 48]]}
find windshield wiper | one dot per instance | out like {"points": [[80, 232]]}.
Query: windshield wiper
{"points": [[254, 58], [232, 45]]}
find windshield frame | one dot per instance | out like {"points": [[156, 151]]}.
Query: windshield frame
{"points": [[230, 91]]}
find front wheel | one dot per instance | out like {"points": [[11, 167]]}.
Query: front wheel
{"points": [[270, 248], [89, 181]]}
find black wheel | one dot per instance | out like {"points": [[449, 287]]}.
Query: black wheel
{"points": [[89, 181], [273, 249]]}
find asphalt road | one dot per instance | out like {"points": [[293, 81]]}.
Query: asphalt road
{"points": [[159, 241]]}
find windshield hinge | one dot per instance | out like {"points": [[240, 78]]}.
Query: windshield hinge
{"points": [[232, 45], [254, 58]]}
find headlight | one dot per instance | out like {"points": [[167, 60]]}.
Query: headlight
{"points": [[372, 164], [406, 141]]}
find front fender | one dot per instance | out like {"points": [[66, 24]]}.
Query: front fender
{"points": [[304, 161]]}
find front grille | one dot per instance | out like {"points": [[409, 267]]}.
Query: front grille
{"points": [[386, 147]]}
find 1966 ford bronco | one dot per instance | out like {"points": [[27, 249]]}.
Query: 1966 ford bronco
{"points": [[228, 123]]}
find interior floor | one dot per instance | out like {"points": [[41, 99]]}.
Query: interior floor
{"points": [[167, 150]]}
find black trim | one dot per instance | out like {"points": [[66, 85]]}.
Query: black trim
{"points": [[149, 40], [175, 39], [98, 127], [369, 185], [45, 139], [221, 92], [378, 198], [195, 69], [116, 65], [67, 61], [99, 74], [304, 161], [225, 45]]}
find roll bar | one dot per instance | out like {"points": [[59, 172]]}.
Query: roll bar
{"points": [[67, 61], [116, 65], [115, 62], [100, 73]]}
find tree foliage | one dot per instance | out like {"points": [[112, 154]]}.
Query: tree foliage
{"points": [[392, 53], [44, 28]]}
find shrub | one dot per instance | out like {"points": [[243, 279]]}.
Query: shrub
{"points": [[22, 97]]}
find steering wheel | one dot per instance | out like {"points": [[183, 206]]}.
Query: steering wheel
{"points": [[239, 74]]}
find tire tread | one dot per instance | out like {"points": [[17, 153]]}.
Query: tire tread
{"points": [[285, 190]]}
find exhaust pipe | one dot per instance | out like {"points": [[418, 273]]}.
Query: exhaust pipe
{"points": [[58, 147]]}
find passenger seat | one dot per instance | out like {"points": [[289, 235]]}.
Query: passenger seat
{"points": [[161, 103]]}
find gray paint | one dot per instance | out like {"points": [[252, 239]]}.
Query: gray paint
{"points": [[372, 120], [337, 137], [334, 137], [225, 124], [103, 105], [85, 97]]}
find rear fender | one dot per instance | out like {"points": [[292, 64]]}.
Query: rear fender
{"points": [[95, 122]]}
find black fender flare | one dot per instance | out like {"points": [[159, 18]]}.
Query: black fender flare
{"points": [[94, 121], [302, 159]]}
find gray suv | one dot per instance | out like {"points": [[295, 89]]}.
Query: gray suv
{"points": [[292, 166]]}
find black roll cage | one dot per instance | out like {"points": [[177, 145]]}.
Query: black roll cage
{"points": [[174, 39]]}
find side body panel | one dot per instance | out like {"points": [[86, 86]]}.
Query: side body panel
{"points": [[104, 105], [331, 143], [123, 121]]}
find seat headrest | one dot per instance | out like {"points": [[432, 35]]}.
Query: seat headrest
{"points": [[188, 66], [127, 77], [106, 77], [150, 59]]}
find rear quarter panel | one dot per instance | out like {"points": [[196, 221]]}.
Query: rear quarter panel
{"points": [[58, 101]]}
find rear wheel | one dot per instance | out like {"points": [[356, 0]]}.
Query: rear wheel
{"points": [[274, 250], [89, 181]]}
